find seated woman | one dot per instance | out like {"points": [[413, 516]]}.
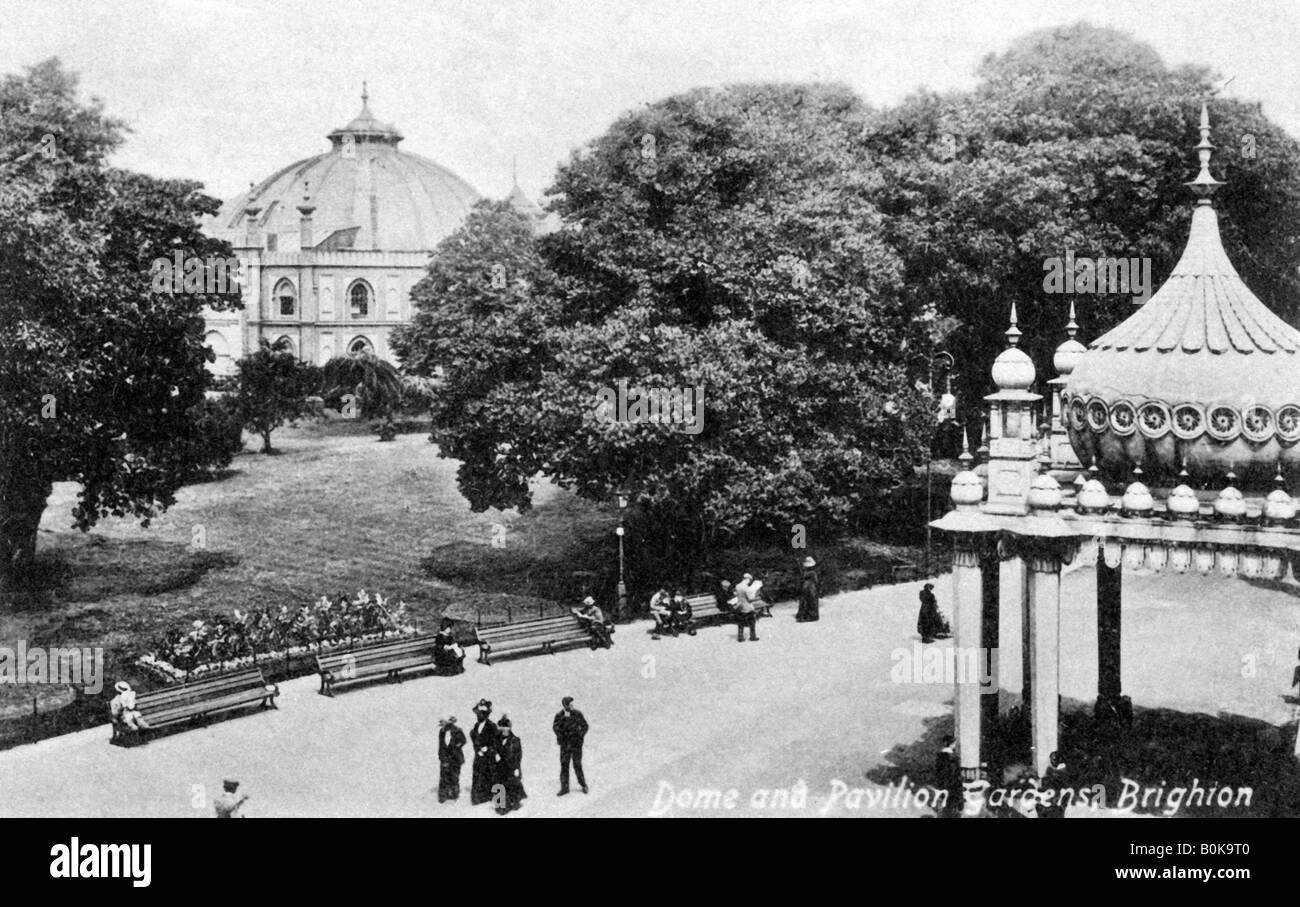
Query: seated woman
{"points": [[122, 709], [448, 656], [593, 621], [679, 614]]}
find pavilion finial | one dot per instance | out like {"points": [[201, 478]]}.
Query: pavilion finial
{"points": [[966, 456], [1013, 332], [1072, 328], [365, 94], [1204, 185]]}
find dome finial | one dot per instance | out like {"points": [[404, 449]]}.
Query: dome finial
{"points": [[1072, 327], [1013, 332], [966, 456], [1204, 185], [365, 94]]}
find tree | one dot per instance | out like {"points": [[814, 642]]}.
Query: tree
{"points": [[100, 374], [375, 386], [271, 388], [721, 241], [1077, 138]]}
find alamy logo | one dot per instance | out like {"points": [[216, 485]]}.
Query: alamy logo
{"points": [[82, 667], [675, 406], [194, 274], [75, 860], [1070, 274], [946, 665]]}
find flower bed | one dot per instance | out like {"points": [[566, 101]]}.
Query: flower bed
{"points": [[222, 643]]}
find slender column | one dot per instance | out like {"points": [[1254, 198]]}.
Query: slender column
{"points": [[1109, 588], [1044, 653], [1014, 593], [967, 608]]}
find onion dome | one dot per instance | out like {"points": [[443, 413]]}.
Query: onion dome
{"points": [[1279, 507], [366, 194], [1203, 372], [1230, 506], [1182, 503], [1069, 353], [1137, 500], [967, 489], [1093, 496], [1044, 493], [1013, 370]]}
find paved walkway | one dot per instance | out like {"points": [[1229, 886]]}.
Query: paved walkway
{"points": [[809, 703]]}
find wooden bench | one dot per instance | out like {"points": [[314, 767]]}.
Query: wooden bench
{"points": [[543, 634], [184, 701], [386, 657], [704, 608]]}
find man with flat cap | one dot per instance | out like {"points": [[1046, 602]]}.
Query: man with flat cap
{"points": [[451, 756], [570, 729], [483, 735]]}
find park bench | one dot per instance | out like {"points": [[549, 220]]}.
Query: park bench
{"points": [[704, 608], [184, 701], [387, 657], [543, 634]]}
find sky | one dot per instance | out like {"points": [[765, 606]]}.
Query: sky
{"points": [[228, 91]]}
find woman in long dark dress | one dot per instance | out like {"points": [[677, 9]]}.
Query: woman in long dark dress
{"points": [[509, 769], [484, 737], [448, 656], [809, 592]]}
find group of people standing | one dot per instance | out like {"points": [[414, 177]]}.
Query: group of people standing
{"points": [[497, 774]]}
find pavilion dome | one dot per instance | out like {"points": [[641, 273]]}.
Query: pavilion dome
{"points": [[1203, 375], [366, 193]]}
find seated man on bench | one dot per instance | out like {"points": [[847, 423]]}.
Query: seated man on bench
{"points": [[593, 621], [660, 610], [679, 614]]}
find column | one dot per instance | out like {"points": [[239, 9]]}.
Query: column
{"points": [[991, 569], [1044, 652], [967, 609], [1014, 594]]}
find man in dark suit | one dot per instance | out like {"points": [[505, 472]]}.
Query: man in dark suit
{"points": [[451, 756], [483, 735], [508, 792], [570, 729]]}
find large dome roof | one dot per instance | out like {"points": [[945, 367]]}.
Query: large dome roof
{"points": [[367, 195], [1202, 374]]}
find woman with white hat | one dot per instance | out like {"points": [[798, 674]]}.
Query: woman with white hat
{"points": [[809, 592]]}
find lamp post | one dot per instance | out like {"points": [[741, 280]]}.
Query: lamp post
{"points": [[621, 591]]}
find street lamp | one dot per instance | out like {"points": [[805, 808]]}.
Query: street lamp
{"points": [[623, 498]]}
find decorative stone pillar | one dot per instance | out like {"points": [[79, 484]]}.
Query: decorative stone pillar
{"points": [[1111, 703], [967, 610], [1012, 611], [1044, 562]]}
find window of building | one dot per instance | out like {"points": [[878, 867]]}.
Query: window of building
{"points": [[360, 345], [284, 345], [359, 298], [286, 299]]}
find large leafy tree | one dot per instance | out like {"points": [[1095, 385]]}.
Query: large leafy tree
{"points": [[722, 240], [100, 375], [1077, 138], [373, 386], [272, 386]]}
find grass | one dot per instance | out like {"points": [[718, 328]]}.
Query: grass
{"points": [[335, 511]]}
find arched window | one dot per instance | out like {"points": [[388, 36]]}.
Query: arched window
{"points": [[285, 345], [360, 345], [286, 299], [359, 297], [224, 364]]}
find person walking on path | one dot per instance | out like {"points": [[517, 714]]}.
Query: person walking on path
{"points": [[451, 756], [509, 774], [930, 623], [746, 614], [483, 735], [809, 592], [570, 730]]}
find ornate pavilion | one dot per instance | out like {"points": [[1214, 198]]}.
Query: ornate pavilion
{"points": [[1200, 386]]}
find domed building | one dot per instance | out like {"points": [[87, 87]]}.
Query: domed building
{"points": [[334, 243]]}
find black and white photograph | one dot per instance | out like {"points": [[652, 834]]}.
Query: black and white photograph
{"points": [[629, 410]]}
